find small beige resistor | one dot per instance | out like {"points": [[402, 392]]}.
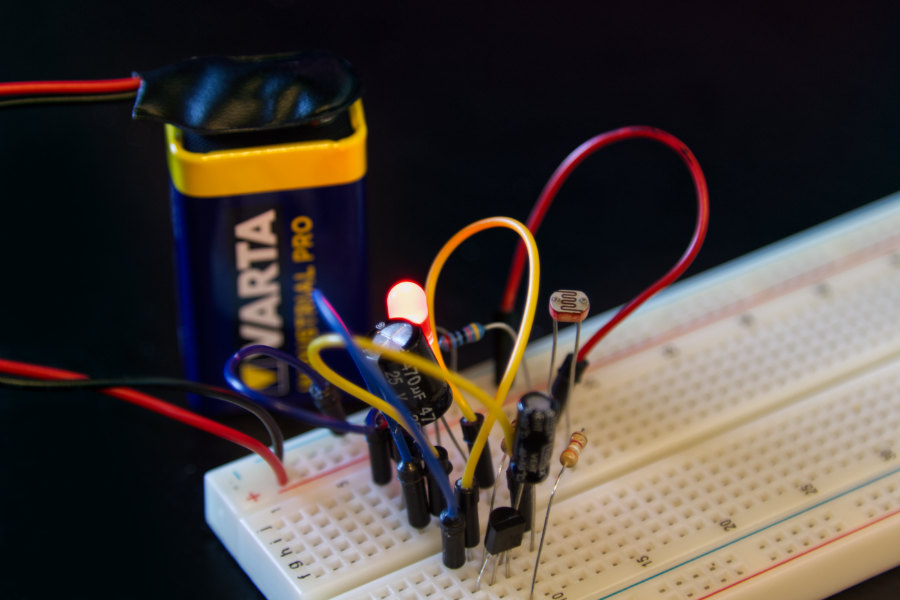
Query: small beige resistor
{"points": [[568, 459], [569, 456]]}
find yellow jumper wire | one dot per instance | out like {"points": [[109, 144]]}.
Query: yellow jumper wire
{"points": [[518, 351], [333, 340], [316, 361]]}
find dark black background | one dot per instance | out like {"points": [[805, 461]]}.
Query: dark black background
{"points": [[794, 114]]}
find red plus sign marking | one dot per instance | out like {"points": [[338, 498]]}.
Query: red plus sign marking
{"points": [[253, 496]]}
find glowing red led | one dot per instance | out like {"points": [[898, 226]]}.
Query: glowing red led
{"points": [[406, 300]]}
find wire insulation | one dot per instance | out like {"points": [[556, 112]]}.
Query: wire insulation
{"points": [[372, 376], [400, 441], [505, 327], [159, 406], [66, 99], [314, 351], [552, 187], [375, 378], [233, 377], [84, 86], [509, 374], [181, 385], [422, 364]]}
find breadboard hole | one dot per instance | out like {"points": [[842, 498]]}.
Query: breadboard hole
{"points": [[881, 500], [321, 457], [339, 531], [696, 383]]}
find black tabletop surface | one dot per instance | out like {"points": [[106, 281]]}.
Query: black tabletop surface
{"points": [[794, 113]]}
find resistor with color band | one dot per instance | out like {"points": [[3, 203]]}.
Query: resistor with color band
{"points": [[568, 459], [471, 333], [569, 456]]}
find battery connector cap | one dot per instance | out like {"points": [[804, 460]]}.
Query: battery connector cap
{"points": [[229, 94]]}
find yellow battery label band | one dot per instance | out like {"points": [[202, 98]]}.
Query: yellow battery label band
{"points": [[296, 165]]}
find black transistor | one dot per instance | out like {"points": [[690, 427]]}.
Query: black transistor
{"points": [[505, 529]]}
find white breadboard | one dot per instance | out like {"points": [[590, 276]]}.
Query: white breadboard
{"points": [[744, 434]]}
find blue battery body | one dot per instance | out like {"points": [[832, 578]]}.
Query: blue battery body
{"points": [[247, 261], [267, 158], [247, 265]]}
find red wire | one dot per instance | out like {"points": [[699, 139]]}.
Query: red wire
{"points": [[156, 405], [559, 177], [90, 86]]}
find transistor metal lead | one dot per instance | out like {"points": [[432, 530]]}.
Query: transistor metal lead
{"points": [[504, 532]]}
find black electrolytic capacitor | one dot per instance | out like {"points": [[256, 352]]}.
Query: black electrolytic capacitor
{"points": [[453, 538], [412, 482], [427, 398], [536, 417], [467, 498], [380, 445]]}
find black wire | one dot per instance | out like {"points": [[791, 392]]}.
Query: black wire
{"points": [[66, 99], [169, 383]]}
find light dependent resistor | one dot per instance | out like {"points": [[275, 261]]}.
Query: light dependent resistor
{"points": [[569, 306], [470, 333], [569, 456]]}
